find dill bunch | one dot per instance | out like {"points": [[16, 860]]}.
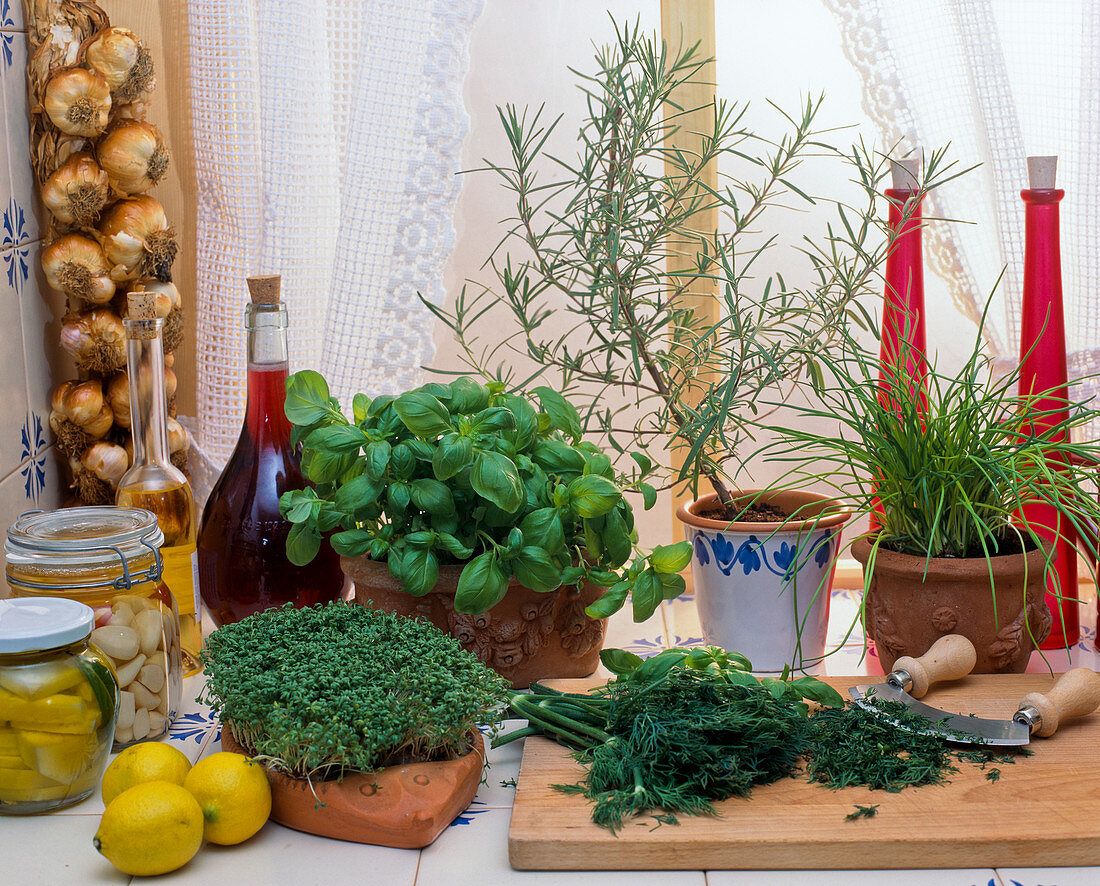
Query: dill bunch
{"points": [[338, 688], [685, 741]]}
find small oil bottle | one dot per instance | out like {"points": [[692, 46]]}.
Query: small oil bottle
{"points": [[153, 482]]}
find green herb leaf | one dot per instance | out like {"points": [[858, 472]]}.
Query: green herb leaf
{"points": [[543, 528], [360, 404], [611, 601], [815, 690], [307, 398], [481, 585], [670, 559], [302, 544], [647, 594], [496, 478], [378, 459], [557, 458], [593, 496], [619, 661], [535, 570], [420, 571], [495, 418], [432, 496], [563, 413], [649, 495], [527, 420], [423, 414], [351, 542], [357, 494], [451, 457]]}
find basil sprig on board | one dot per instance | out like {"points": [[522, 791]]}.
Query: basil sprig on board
{"points": [[468, 473]]}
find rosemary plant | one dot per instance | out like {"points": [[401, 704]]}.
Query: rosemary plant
{"points": [[591, 238], [322, 691]]}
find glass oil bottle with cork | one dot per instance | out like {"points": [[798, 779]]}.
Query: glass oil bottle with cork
{"points": [[243, 564], [153, 482]]}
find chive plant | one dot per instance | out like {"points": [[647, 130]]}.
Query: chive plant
{"points": [[947, 471], [336, 688]]}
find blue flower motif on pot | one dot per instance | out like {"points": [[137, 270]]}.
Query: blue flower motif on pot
{"points": [[824, 550], [700, 548], [724, 554], [784, 559], [748, 555]]}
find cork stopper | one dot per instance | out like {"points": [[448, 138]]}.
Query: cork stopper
{"points": [[141, 310], [905, 173], [264, 290], [1042, 173]]}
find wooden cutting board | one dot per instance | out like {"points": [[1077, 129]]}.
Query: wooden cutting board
{"points": [[1044, 810]]}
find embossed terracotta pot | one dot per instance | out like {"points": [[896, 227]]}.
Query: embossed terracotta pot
{"points": [[406, 807], [909, 608], [526, 636], [763, 589]]}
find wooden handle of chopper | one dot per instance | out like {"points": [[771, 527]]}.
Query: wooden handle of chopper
{"points": [[949, 658], [1076, 693]]}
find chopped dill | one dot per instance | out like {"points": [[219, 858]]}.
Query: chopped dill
{"points": [[862, 812], [508, 783], [994, 774]]}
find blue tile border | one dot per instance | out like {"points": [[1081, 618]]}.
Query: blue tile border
{"points": [[34, 446], [15, 240]]}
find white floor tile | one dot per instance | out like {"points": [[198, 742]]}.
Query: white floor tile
{"points": [[476, 853], [53, 850], [975, 877], [1048, 876], [279, 855]]}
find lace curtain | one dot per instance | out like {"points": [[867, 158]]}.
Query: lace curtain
{"points": [[999, 80], [327, 138]]}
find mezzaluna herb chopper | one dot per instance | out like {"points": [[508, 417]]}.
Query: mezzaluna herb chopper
{"points": [[1075, 694]]}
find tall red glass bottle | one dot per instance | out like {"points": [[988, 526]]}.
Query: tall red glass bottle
{"points": [[1043, 370], [243, 566], [903, 299]]}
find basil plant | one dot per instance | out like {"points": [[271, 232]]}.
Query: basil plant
{"points": [[467, 473]]}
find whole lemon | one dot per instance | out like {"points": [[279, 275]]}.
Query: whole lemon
{"points": [[234, 795], [140, 763], [152, 828]]}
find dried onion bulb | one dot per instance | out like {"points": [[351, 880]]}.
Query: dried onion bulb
{"points": [[77, 101], [96, 341], [124, 62], [137, 239], [79, 414], [133, 155], [77, 191], [75, 264]]}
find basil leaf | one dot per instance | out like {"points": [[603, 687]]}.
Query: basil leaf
{"points": [[296, 505], [357, 494], [543, 528], [307, 398], [649, 495], [670, 559], [646, 594], [619, 661], [672, 586], [526, 421], [454, 546], [610, 603], [496, 478], [302, 544], [616, 538], [593, 496], [561, 411], [420, 572], [451, 457], [351, 543], [535, 570], [432, 496], [324, 467], [423, 414], [495, 418], [467, 396], [378, 459], [556, 457], [481, 585], [398, 497], [402, 460], [360, 406], [814, 690]]}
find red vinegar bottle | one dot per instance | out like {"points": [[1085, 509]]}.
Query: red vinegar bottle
{"points": [[243, 567], [1043, 372]]}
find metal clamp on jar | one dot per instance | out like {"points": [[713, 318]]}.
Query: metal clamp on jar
{"points": [[109, 559], [58, 701]]}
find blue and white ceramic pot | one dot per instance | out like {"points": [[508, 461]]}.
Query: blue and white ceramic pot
{"points": [[762, 589]]}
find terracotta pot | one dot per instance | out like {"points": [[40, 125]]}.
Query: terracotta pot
{"points": [[907, 609], [762, 589], [527, 636], [405, 807]]}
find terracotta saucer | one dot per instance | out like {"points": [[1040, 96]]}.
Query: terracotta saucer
{"points": [[405, 807]]}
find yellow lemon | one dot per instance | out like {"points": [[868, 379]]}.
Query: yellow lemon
{"points": [[152, 828], [140, 763], [234, 795]]}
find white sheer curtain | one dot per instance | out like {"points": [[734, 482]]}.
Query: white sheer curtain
{"points": [[327, 137], [999, 80]]}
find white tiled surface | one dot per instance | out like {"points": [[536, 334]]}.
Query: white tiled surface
{"points": [[29, 315], [56, 849]]}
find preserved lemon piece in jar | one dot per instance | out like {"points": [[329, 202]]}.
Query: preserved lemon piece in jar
{"points": [[58, 705]]}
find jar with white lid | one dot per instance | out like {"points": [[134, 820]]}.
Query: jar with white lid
{"points": [[58, 705], [109, 559]]}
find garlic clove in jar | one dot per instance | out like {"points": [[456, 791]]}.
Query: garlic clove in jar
{"points": [[124, 62], [95, 340], [77, 101], [76, 265], [137, 240], [133, 155], [77, 191]]}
